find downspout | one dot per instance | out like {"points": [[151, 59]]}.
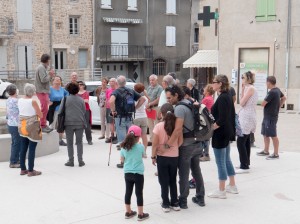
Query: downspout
{"points": [[50, 32], [93, 41], [288, 42]]}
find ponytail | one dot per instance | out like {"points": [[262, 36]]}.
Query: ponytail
{"points": [[167, 111], [129, 141]]}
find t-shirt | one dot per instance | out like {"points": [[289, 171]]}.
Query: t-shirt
{"points": [[57, 95], [141, 111], [232, 91], [108, 94], [273, 97], [163, 138], [85, 96], [208, 101], [133, 162], [185, 113], [12, 111], [162, 99], [118, 102], [154, 92]]}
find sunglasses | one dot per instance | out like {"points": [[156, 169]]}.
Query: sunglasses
{"points": [[215, 82]]}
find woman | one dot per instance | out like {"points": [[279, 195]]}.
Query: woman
{"points": [[194, 92], [12, 114], [30, 115], [101, 98], [75, 122], [141, 116], [57, 93], [247, 119], [88, 114], [224, 132]]}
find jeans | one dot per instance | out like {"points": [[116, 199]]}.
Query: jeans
{"points": [[132, 179], [167, 173], [244, 147], [25, 145], [122, 126], [206, 148], [189, 159], [224, 164], [15, 144], [44, 101], [78, 130]]}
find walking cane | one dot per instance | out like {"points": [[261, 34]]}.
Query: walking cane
{"points": [[111, 141]]}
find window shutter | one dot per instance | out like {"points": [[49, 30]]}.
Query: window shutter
{"points": [[24, 14], [29, 58], [21, 58], [132, 4], [82, 58], [170, 36], [171, 6], [271, 10], [261, 10], [106, 4]]}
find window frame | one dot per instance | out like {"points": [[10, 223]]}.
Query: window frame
{"points": [[170, 36], [159, 66], [105, 4], [171, 7], [132, 7], [72, 24], [265, 10]]}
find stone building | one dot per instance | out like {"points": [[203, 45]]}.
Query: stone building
{"points": [[63, 28], [257, 35]]}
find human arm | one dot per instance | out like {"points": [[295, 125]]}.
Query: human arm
{"points": [[86, 96], [180, 140], [246, 95], [37, 109], [155, 141], [223, 111], [282, 100], [196, 95], [112, 103], [177, 131], [268, 98], [140, 102], [44, 76]]}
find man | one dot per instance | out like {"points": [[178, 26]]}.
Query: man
{"points": [[271, 104], [153, 92], [74, 77], [194, 92], [189, 151], [232, 93], [122, 111], [42, 84]]}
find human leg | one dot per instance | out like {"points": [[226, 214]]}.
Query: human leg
{"points": [[173, 180], [78, 135], [241, 145], [44, 102], [88, 128], [151, 127], [31, 155], [15, 144], [164, 179], [70, 140], [229, 167], [24, 147], [129, 183]]}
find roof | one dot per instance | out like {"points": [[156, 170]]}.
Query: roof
{"points": [[202, 59]]}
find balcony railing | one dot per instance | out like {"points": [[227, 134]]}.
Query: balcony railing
{"points": [[125, 53], [6, 27]]}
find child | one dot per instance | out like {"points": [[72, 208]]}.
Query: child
{"points": [[166, 158], [132, 157]]}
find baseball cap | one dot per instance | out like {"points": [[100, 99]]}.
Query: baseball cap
{"points": [[136, 130]]}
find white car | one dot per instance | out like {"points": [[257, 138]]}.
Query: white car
{"points": [[3, 86], [91, 88]]}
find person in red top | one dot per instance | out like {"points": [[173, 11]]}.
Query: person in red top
{"points": [[88, 114], [208, 99]]}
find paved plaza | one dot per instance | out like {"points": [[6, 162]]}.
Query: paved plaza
{"points": [[94, 194]]}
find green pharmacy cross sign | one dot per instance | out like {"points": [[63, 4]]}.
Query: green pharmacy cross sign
{"points": [[207, 15]]}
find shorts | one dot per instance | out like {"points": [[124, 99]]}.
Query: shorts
{"points": [[142, 123], [269, 127], [109, 119]]}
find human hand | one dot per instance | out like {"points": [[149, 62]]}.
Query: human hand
{"points": [[50, 103], [153, 161]]}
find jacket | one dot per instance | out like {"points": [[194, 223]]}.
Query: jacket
{"points": [[30, 127]]}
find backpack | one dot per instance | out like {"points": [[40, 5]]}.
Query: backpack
{"points": [[127, 102], [203, 122]]}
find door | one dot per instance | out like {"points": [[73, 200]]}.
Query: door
{"points": [[60, 59], [119, 42], [25, 61]]}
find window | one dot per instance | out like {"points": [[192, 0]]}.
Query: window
{"points": [[132, 5], [24, 14], [106, 4], [265, 10], [177, 68], [170, 36], [159, 67], [82, 58], [107, 67], [196, 35], [171, 7], [121, 67], [74, 25], [73, 0], [115, 68], [60, 59], [24, 59]]}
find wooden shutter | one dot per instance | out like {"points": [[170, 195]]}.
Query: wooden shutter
{"points": [[171, 6], [82, 58], [261, 10], [132, 5], [271, 16], [29, 58], [24, 14], [106, 4], [22, 55], [170, 36]]}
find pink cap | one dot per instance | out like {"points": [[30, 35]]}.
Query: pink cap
{"points": [[136, 130]]}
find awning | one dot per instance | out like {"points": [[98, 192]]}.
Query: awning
{"points": [[122, 20], [202, 59]]}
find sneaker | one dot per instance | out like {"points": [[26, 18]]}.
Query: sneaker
{"points": [[175, 207], [101, 137], [231, 189], [149, 144], [204, 158], [273, 156], [69, 163], [108, 140], [143, 217], [241, 171], [118, 147], [165, 208], [23, 172], [183, 203], [34, 173], [192, 184], [14, 165], [62, 143], [81, 163], [199, 201], [121, 165], [115, 140], [129, 215], [90, 143], [47, 129], [218, 194], [263, 153]]}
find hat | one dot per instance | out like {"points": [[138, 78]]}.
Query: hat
{"points": [[136, 130]]}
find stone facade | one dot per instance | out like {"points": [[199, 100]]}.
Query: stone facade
{"points": [[38, 39]]}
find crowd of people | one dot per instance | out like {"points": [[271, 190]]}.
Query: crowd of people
{"points": [[127, 113]]}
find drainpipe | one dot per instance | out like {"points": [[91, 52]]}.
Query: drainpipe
{"points": [[288, 38], [50, 32], [93, 41]]}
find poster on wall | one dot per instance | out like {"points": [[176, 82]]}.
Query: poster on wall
{"points": [[261, 73]]}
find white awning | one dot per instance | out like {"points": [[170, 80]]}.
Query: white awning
{"points": [[202, 59], [122, 20]]}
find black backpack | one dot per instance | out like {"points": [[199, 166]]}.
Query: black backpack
{"points": [[203, 122], [127, 102]]}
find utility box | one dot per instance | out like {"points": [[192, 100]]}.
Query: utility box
{"points": [[290, 107]]}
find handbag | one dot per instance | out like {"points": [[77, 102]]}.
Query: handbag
{"points": [[61, 117]]}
